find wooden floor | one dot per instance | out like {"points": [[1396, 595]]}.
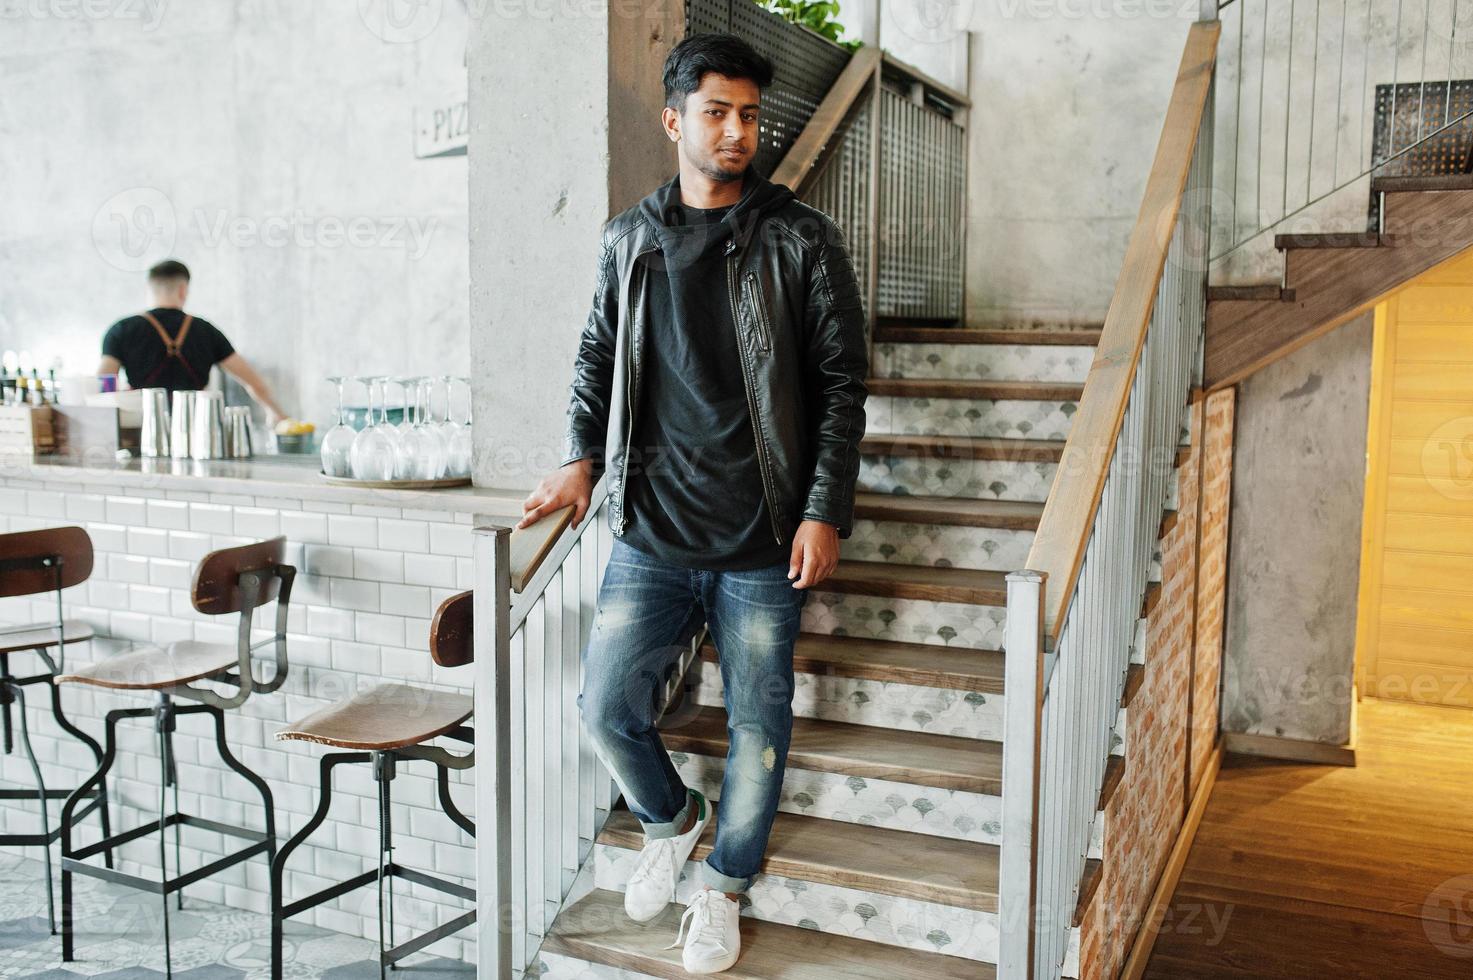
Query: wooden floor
{"points": [[1315, 871]]}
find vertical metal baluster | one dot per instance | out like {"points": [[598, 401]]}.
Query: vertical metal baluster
{"points": [[492, 557], [534, 685], [517, 715], [572, 643]]}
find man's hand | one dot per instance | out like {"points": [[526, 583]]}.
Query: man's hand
{"points": [[815, 553], [570, 484]]}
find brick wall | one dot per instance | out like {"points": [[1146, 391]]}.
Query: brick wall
{"points": [[1172, 722], [369, 578]]}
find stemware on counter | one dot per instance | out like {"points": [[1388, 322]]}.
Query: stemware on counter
{"points": [[417, 448]]}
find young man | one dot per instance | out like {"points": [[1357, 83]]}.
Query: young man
{"points": [[727, 344], [167, 348]]}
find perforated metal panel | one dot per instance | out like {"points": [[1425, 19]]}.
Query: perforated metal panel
{"points": [[804, 65], [922, 213], [841, 190], [1405, 116]]}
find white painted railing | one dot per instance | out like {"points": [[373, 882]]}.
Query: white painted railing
{"points": [[541, 793], [1072, 617]]}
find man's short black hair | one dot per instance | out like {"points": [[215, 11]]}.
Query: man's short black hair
{"points": [[169, 270], [725, 54]]}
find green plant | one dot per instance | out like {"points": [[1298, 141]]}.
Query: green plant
{"points": [[816, 15]]}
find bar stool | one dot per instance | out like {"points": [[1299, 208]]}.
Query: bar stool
{"points": [[383, 726], [37, 562], [232, 580]]}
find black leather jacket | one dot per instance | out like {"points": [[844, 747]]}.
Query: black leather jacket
{"points": [[796, 305]]}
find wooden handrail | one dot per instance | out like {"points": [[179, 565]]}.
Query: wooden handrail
{"points": [[1064, 528], [797, 164], [945, 91]]}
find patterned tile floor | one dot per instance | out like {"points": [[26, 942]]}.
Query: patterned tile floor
{"points": [[120, 937]]}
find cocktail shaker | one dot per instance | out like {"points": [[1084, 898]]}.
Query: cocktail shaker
{"points": [[179, 426], [207, 427], [154, 438], [238, 432]]}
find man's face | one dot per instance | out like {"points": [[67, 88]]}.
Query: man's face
{"points": [[718, 129]]}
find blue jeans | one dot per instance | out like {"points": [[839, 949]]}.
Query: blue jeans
{"points": [[648, 611]]}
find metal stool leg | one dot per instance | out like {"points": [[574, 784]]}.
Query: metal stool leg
{"points": [[109, 753], [15, 691], [164, 725], [91, 743], [280, 911], [383, 774]]}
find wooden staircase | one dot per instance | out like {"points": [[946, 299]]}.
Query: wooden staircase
{"points": [[1331, 278], [883, 856]]}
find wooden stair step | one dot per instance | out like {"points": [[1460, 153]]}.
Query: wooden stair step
{"points": [[962, 388], [1114, 773], [1153, 596], [1013, 515], [1328, 239], [595, 929], [1089, 883], [922, 759], [920, 664], [963, 448], [1026, 336], [1269, 291], [1135, 676], [1437, 182], [958, 873], [880, 578]]}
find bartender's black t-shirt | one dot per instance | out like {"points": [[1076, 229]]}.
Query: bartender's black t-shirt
{"points": [[138, 347], [694, 495]]}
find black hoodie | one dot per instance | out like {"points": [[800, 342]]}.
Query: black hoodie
{"points": [[695, 491]]}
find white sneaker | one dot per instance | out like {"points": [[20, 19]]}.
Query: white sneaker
{"points": [[715, 942], [652, 886]]}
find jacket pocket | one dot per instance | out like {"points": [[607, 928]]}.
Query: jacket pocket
{"points": [[760, 322]]}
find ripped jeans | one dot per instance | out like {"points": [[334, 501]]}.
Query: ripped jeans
{"points": [[648, 611]]}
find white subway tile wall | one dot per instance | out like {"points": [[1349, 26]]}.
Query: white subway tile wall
{"points": [[369, 579]]}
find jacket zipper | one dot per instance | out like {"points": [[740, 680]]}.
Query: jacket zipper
{"points": [[731, 266], [630, 384], [759, 315]]}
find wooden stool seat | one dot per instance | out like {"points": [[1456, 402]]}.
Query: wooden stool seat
{"points": [[383, 718], [34, 635], [157, 668]]}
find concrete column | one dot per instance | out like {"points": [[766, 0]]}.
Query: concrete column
{"points": [[565, 131]]}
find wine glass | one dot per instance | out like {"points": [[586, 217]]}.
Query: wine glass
{"points": [[460, 438], [405, 421], [337, 445], [423, 446], [373, 453]]}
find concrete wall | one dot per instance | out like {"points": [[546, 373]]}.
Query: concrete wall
{"points": [[268, 145], [1298, 491], [1066, 112]]}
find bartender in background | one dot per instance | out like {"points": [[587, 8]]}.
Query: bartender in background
{"points": [[167, 348]]}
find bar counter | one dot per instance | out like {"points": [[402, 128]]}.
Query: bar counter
{"points": [[372, 567], [293, 477]]}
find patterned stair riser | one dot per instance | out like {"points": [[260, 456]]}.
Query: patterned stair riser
{"points": [[904, 922], [555, 966], [864, 800], [990, 362], [977, 479], [942, 545], [1009, 418], [880, 704], [952, 624]]}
